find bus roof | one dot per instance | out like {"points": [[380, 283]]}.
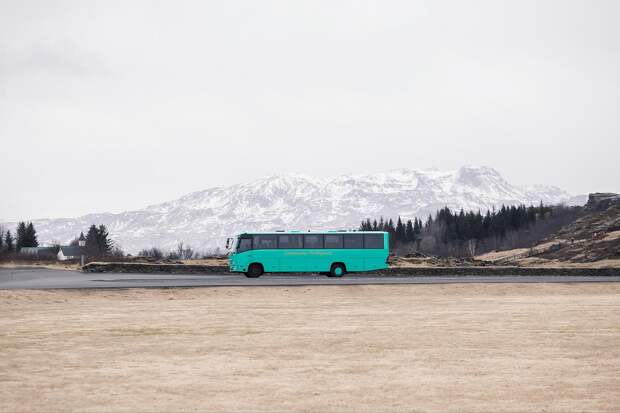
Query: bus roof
{"points": [[311, 232]]}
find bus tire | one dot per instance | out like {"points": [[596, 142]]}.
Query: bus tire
{"points": [[337, 270], [254, 271]]}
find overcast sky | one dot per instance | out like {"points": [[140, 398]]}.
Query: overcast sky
{"points": [[112, 106]]}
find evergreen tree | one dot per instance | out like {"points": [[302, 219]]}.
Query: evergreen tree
{"points": [[98, 242], [503, 220], [486, 225], [366, 225], [460, 228], [9, 242], [531, 214], [541, 211], [390, 228], [21, 236], [92, 242], [1, 239], [400, 231], [409, 231], [30, 236], [417, 232], [104, 241], [429, 223], [375, 227]]}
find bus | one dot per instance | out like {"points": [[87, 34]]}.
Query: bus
{"points": [[332, 253]]}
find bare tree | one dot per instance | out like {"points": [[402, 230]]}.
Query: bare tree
{"points": [[183, 252], [153, 252], [471, 247]]}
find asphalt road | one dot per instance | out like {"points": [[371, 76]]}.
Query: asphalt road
{"points": [[39, 278]]}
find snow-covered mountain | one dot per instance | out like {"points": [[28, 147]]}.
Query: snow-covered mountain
{"points": [[204, 219]]}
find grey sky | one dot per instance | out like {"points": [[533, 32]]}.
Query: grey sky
{"points": [[111, 106]]}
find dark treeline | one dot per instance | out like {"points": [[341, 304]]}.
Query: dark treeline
{"points": [[24, 236], [469, 233], [98, 243]]}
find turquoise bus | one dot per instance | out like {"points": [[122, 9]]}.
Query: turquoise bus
{"points": [[333, 253]]}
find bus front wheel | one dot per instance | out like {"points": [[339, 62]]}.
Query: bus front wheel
{"points": [[254, 271], [337, 270]]}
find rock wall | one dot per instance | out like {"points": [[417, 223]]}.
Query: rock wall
{"points": [[404, 272]]}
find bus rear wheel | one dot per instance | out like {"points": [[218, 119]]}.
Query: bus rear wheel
{"points": [[337, 270], [254, 271]]}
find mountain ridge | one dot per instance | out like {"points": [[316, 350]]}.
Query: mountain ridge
{"points": [[203, 219]]}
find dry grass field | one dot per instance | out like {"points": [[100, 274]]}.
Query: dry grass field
{"points": [[478, 348], [53, 265]]}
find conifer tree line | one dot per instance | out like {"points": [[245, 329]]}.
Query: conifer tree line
{"points": [[98, 241], [402, 233], [24, 236], [9, 242], [466, 233]]}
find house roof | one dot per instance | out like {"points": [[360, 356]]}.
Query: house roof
{"points": [[38, 250], [46, 249], [29, 249], [71, 251]]}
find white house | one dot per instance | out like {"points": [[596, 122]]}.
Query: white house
{"points": [[69, 253]]}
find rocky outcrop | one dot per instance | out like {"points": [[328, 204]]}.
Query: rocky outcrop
{"points": [[601, 201], [593, 236]]}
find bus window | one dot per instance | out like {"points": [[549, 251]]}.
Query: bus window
{"points": [[313, 241], [353, 241], [245, 244], [333, 241], [373, 241], [265, 242], [290, 241]]}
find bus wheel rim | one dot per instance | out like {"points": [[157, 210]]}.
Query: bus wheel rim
{"points": [[338, 271]]}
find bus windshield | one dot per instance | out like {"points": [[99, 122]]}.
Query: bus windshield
{"points": [[244, 244]]}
